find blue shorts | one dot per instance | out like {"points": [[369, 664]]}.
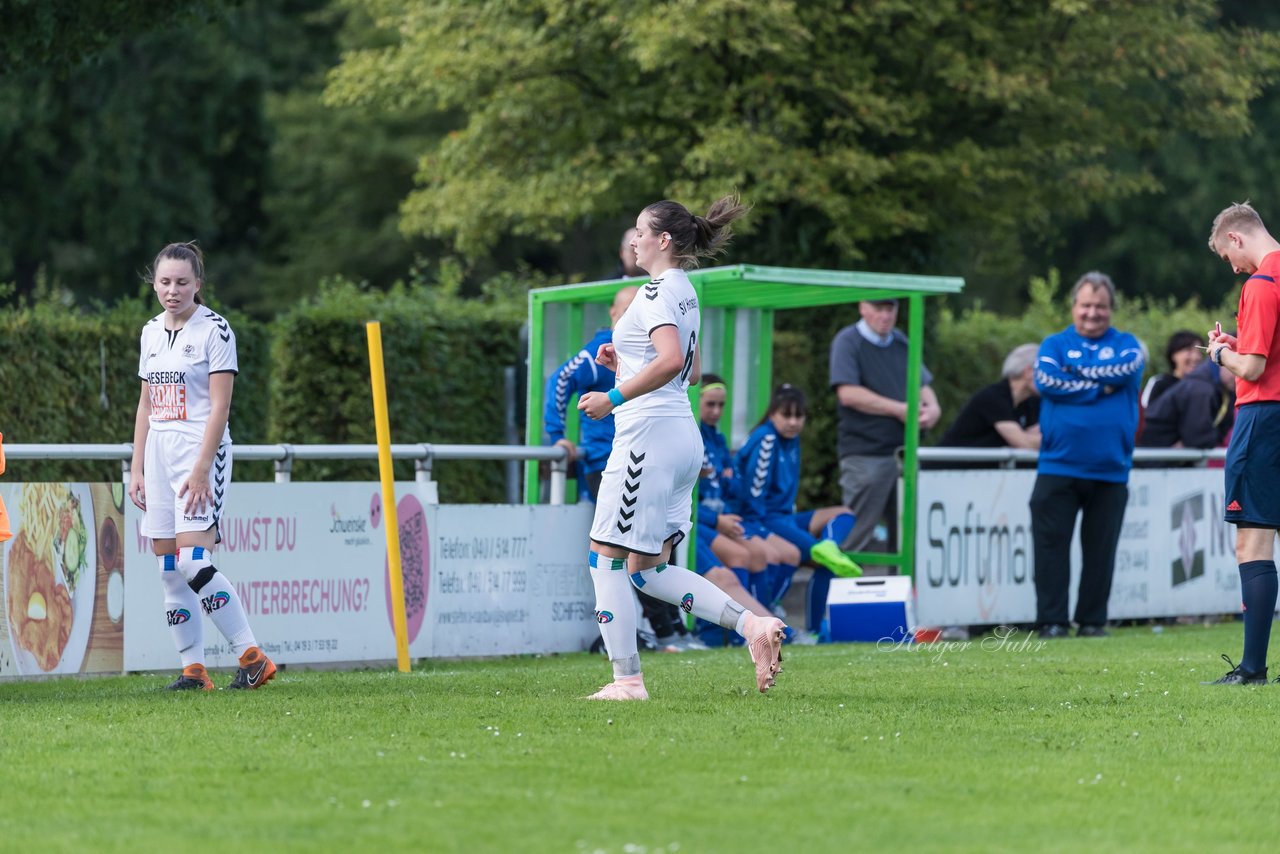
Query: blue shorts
{"points": [[704, 557], [794, 528], [1252, 471]]}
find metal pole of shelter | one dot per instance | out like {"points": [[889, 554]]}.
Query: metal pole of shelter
{"points": [[533, 411], [764, 373], [910, 458], [571, 339], [904, 556], [728, 355]]}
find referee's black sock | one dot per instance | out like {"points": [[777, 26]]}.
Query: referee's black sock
{"points": [[1258, 594]]}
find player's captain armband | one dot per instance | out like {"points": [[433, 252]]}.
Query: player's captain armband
{"points": [[168, 401]]}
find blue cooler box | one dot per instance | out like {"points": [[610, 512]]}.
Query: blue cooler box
{"points": [[872, 609]]}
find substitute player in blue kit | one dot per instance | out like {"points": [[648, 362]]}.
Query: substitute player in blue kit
{"points": [[646, 494], [767, 471], [181, 466]]}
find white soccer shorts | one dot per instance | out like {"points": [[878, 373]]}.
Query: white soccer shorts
{"points": [[646, 493], [168, 460]]}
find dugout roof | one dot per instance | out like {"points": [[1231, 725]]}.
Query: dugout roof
{"points": [[738, 304]]}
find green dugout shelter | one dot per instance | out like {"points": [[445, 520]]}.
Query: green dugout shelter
{"points": [[738, 305]]}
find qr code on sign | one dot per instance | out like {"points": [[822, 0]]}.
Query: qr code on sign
{"points": [[412, 536]]}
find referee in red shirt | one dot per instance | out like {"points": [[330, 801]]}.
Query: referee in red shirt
{"points": [[1252, 471]]}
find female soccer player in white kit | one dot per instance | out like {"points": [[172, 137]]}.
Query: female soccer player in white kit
{"points": [[645, 499], [182, 466]]}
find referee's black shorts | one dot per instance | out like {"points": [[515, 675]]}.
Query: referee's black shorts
{"points": [[1252, 496]]}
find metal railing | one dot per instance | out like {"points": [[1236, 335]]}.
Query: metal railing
{"points": [[1010, 457], [423, 455]]}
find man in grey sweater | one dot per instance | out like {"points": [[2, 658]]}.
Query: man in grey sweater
{"points": [[869, 376]]}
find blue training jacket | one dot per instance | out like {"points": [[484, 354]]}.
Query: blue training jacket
{"points": [[1089, 404], [713, 491], [766, 472], [578, 376]]}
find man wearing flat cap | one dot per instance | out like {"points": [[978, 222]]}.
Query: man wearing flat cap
{"points": [[869, 376]]}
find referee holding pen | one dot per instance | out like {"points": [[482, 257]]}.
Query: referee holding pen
{"points": [[1252, 470]]}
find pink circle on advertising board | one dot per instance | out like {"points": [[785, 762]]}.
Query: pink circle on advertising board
{"points": [[415, 560]]}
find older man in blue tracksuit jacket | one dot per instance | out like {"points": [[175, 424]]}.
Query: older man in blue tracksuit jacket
{"points": [[1088, 376], [579, 375]]}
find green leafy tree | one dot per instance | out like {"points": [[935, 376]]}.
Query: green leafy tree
{"points": [[1156, 243], [950, 136], [336, 178], [159, 134], [58, 34], [159, 138]]}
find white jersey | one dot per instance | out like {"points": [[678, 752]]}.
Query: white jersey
{"points": [[668, 300], [176, 367]]}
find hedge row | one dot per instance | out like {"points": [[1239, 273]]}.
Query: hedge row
{"points": [[304, 378], [444, 359], [72, 377]]}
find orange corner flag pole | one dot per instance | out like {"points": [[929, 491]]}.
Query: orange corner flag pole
{"points": [[387, 473]]}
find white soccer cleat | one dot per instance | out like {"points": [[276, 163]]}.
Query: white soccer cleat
{"points": [[626, 688], [764, 640]]}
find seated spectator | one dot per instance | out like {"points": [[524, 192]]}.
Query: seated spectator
{"points": [[736, 563], [1196, 412], [718, 529], [767, 476], [1006, 413], [1183, 354]]}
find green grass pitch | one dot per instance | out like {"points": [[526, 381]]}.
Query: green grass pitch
{"points": [[991, 746]]}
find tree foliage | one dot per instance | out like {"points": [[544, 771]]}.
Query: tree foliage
{"points": [[888, 133], [57, 34], [1156, 244], [159, 138]]}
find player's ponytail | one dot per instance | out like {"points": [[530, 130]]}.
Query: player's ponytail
{"points": [[695, 237]]}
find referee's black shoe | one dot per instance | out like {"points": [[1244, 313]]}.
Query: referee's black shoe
{"points": [[1239, 676], [1054, 630]]}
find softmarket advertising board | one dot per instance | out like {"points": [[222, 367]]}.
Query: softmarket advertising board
{"points": [[309, 561], [975, 561]]}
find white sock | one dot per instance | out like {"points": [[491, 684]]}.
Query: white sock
{"points": [[616, 613], [693, 593], [181, 612], [218, 597]]}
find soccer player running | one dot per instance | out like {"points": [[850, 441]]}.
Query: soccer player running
{"points": [[646, 495], [1253, 458], [182, 466]]}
